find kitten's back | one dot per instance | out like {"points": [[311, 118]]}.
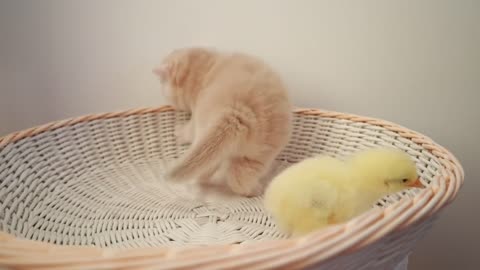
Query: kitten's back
{"points": [[242, 117]]}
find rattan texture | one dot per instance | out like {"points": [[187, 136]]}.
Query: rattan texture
{"points": [[89, 193]]}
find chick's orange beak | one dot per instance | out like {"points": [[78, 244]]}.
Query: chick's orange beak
{"points": [[416, 183]]}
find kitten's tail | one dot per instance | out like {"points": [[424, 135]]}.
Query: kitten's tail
{"points": [[221, 139]]}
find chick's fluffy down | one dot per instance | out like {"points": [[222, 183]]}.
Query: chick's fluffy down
{"points": [[299, 200]]}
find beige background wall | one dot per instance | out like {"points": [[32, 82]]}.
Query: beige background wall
{"points": [[413, 62]]}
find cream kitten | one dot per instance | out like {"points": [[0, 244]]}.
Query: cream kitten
{"points": [[241, 116]]}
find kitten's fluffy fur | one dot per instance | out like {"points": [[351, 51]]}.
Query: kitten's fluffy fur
{"points": [[241, 116]]}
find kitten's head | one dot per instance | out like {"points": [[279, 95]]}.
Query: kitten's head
{"points": [[182, 73]]}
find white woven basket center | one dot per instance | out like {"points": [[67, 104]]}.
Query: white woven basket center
{"points": [[132, 206]]}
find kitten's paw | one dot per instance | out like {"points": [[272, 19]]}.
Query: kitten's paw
{"points": [[173, 173], [181, 134], [257, 191], [179, 130], [249, 190]]}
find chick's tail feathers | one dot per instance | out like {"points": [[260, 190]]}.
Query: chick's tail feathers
{"points": [[212, 147]]}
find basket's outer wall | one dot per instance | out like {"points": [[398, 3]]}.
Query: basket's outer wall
{"points": [[379, 239]]}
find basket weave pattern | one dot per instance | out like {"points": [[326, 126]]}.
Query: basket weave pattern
{"points": [[88, 193]]}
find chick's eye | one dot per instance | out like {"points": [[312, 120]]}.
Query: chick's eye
{"points": [[405, 180]]}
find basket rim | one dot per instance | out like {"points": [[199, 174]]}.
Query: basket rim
{"points": [[293, 253]]}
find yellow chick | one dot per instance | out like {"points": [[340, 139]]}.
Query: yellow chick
{"points": [[322, 190]]}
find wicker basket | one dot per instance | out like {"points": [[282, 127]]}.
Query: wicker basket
{"points": [[88, 193]]}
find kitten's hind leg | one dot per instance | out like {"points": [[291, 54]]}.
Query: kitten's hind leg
{"points": [[243, 176]]}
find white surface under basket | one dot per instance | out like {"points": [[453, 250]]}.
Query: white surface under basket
{"points": [[88, 193]]}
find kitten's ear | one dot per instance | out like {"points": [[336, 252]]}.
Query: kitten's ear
{"points": [[162, 71]]}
